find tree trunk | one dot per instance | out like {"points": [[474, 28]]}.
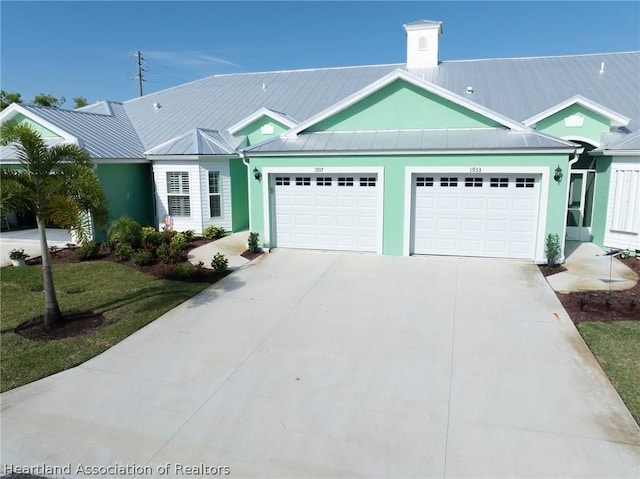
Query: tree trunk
{"points": [[52, 314]]}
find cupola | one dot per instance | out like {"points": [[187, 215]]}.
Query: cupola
{"points": [[422, 44]]}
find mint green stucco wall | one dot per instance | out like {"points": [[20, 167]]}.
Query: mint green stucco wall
{"points": [[44, 132], [239, 195], [592, 128], [129, 192], [394, 184], [402, 105], [255, 136], [601, 200]]}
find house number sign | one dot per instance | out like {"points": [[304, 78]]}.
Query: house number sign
{"points": [[475, 169]]}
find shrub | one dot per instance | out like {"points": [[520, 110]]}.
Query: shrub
{"points": [[87, 251], [219, 263], [179, 241], [124, 251], [213, 232], [169, 253], [552, 249], [124, 231], [184, 270], [151, 238], [253, 242], [189, 235], [142, 258]]}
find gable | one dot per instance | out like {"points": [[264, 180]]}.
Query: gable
{"points": [[575, 122], [401, 106], [44, 132], [262, 129]]}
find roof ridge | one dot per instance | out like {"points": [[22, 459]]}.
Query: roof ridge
{"points": [[266, 72], [541, 56]]}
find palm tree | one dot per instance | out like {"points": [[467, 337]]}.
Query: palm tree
{"points": [[57, 184]]}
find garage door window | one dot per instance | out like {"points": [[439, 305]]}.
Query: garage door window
{"points": [[282, 181], [303, 181], [323, 181], [448, 181], [473, 182], [369, 181], [499, 183], [345, 181], [424, 181], [525, 182]]}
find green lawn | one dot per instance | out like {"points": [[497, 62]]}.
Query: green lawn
{"points": [[127, 297], [616, 345]]}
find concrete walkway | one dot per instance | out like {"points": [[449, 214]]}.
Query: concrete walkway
{"points": [[589, 269], [232, 246], [29, 240], [310, 364]]}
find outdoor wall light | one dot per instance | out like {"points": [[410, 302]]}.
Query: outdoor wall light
{"points": [[256, 174], [558, 174]]}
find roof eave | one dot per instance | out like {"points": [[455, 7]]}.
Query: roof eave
{"points": [[488, 151]]}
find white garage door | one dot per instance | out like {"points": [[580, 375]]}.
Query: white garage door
{"points": [[331, 212], [481, 215]]}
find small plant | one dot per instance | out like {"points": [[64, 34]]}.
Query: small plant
{"points": [[142, 258], [54, 250], [184, 270], [17, 254], [219, 263], [253, 243], [552, 249], [87, 251], [124, 231], [124, 252], [213, 232]]}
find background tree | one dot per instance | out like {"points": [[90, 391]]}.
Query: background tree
{"points": [[44, 99], [79, 102], [58, 185], [7, 98]]}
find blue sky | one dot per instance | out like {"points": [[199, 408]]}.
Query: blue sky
{"points": [[82, 48]]}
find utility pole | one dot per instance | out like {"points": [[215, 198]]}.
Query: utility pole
{"points": [[140, 72], [139, 58]]}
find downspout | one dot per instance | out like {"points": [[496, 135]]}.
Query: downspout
{"points": [[245, 161], [574, 159]]}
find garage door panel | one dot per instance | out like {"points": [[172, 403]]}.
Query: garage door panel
{"points": [[497, 226], [483, 216], [326, 212], [497, 205], [473, 203]]}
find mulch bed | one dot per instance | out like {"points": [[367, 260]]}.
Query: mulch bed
{"points": [[75, 324], [597, 305], [83, 322]]}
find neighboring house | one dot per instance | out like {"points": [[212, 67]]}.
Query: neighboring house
{"points": [[473, 158]]}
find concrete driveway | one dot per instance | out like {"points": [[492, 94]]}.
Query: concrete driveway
{"points": [[311, 364]]}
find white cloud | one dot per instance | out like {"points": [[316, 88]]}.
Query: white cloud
{"points": [[185, 58]]}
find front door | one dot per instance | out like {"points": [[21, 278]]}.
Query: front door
{"points": [[580, 206]]}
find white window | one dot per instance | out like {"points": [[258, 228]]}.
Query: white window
{"points": [[215, 198], [178, 193], [422, 43], [626, 218]]}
